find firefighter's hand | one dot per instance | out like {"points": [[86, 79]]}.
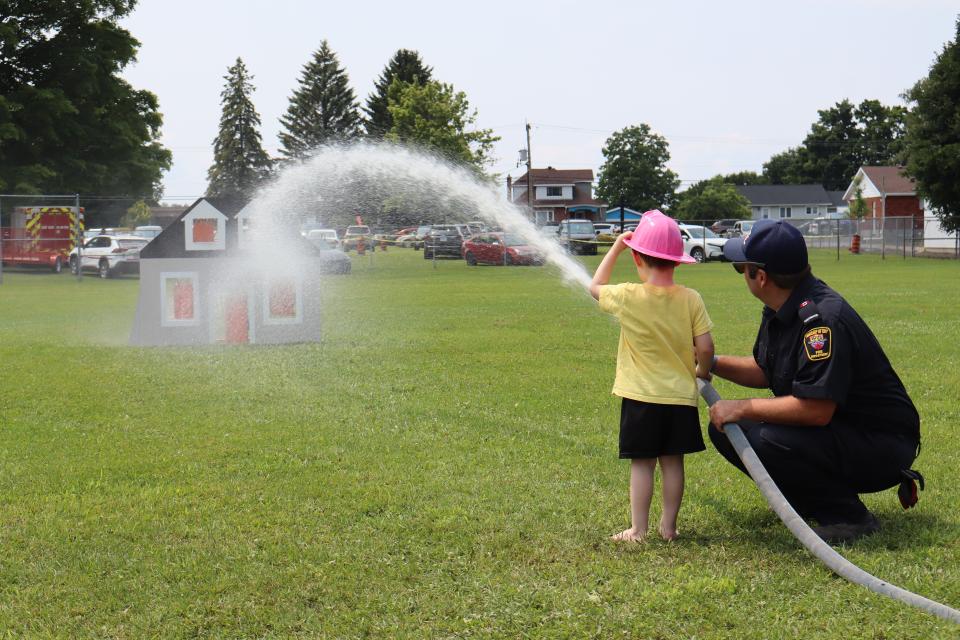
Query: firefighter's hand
{"points": [[726, 411]]}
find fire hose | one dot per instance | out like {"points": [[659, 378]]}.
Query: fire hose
{"points": [[820, 549]]}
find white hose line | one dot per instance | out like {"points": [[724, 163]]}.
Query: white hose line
{"points": [[814, 544]]}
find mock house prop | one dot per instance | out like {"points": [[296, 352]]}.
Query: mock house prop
{"points": [[201, 282]]}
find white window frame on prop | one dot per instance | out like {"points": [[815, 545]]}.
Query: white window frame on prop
{"points": [[167, 318], [297, 318], [205, 211]]}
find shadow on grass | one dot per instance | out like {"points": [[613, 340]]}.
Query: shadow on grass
{"points": [[762, 528]]}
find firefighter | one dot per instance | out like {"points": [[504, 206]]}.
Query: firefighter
{"points": [[841, 422]]}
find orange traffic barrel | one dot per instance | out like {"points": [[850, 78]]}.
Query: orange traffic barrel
{"points": [[855, 243]]}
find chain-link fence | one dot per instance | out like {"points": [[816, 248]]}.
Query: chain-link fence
{"points": [[891, 237]]}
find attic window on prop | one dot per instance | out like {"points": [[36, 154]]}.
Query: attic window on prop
{"points": [[283, 301], [204, 233], [179, 299]]}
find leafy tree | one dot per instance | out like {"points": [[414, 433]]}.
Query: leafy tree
{"points": [[406, 66], [240, 164], [323, 109], [435, 116], [858, 206], [714, 201], [68, 121], [635, 168], [933, 135], [696, 189], [744, 178], [784, 167], [138, 214], [844, 138]]}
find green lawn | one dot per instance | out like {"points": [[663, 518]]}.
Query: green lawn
{"points": [[443, 464]]}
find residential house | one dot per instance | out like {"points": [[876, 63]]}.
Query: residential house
{"points": [[887, 192], [202, 281], [791, 201], [559, 194]]}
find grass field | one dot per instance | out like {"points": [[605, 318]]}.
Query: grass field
{"points": [[443, 464]]}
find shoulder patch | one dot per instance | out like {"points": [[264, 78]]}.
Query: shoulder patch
{"points": [[816, 342], [808, 311]]}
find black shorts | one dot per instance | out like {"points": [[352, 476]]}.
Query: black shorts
{"points": [[650, 430]]}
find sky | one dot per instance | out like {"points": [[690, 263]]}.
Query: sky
{"points": [[727, 83]]}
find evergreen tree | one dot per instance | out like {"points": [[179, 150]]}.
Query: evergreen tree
{"points": [[240, 164], [323, 108], [405, 66], [68, 121], [933, 135]]}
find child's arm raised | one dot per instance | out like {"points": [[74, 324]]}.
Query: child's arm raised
{"points": [[602, 276]]}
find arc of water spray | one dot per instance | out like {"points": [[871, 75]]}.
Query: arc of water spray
{"points": [[820, 549], [344, 175]]}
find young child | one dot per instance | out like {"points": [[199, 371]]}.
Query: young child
{"points": [[665, 344]]}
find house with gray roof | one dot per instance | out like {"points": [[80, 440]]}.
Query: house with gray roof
{"points": [[211, 278], [792, 201]]}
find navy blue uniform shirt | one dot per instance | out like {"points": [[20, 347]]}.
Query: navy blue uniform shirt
{"points": [[817, 346]]}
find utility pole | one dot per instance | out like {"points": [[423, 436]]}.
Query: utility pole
{"points": [[533, 216]]}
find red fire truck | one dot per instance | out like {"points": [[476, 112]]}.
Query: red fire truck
{"points": [[41, 236]]}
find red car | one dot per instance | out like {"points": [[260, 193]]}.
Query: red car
{"points": [[499, 248]]}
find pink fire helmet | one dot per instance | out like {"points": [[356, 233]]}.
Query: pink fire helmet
{"points": [[659, 236]]}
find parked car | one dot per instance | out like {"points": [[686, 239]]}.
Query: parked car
{"points": [[741, 227], [445, 240], [324, 238], [406, 241], [723, 227], [500, 248], [550, 230], [701, 243], [354, 234], [577, 236], [420, 234], [108, 255], [477, 226], [825, 227], [148, 231], [334, 261], [606, 228], [106, 231]]}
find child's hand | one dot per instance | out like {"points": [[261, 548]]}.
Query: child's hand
{"points": [[621, 240]]}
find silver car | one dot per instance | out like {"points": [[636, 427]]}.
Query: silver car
{"points": [[108, 255]]}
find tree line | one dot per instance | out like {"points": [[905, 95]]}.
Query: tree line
{"points": [[69, 123], [407, 105], [924, 137]]}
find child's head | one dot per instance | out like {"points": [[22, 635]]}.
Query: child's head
{"points": [[658, 237], [652, 262]]}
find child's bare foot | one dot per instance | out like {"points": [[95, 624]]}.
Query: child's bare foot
{"points": [[628, 535], [668, 534]]}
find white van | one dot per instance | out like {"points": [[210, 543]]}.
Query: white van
{"points": [[578, 236]]}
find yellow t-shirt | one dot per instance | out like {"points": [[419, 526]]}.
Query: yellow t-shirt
{"points": [[655, 359]]}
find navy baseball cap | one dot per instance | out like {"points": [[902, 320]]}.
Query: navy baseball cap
{"points": [[777, 245]]}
